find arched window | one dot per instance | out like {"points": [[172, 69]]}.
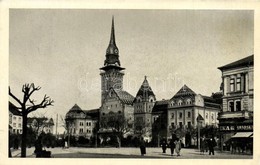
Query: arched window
{"points": [[180, 102]]}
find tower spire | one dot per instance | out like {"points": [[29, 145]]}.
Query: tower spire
{"points": [[112, 53], [112, 35]]}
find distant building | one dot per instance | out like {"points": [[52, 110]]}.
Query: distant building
{"points": [[116, 104], [143, 105], [81, 122], [184, 108], [41, 124], [236, 118], [15, 119]]}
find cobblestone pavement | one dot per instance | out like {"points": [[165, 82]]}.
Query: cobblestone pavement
{"points": [[75, 152]]}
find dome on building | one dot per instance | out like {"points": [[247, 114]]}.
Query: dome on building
{"points": [[75, 112]]}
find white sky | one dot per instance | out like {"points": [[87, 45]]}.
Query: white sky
{"points": [[62, 51]]}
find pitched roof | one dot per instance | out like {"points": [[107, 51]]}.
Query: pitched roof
{"points": [[92, 113], [184, 91], [145, 89], [247, 61], [160, 106], [14, 110], [125, 97], [75, 109]]}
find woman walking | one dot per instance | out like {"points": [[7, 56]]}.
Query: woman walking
{"points": [[178, 147]]}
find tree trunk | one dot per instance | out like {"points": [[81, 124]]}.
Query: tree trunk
{"points": [[24, 136]]}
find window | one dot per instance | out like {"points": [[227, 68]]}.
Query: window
{"points": [[212, 116], [189, 115], [80, 123], [172, 115], [81, 130], [119, 112], [19, 118], [179, 102], [180, 115], [206, 115], [239, 84], [172, 125], [89, 123], [14, 124], [231, 106], [238, 105], [180, 124], [189, 124], [19, 125], [14, 118], [232, 85], [86, 123], [14, 130]]}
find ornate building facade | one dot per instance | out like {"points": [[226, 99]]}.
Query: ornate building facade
{"points": [[80, 122], [236, 118], [185, 107], [143, 105], [116, 111]]}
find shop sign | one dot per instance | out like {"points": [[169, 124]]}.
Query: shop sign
{"points": [[227, 128], [236, 127]]}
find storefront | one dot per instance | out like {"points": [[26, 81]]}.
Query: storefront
{"points": [[237, 136]]}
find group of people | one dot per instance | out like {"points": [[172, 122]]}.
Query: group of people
{"points": [[174, 144], [207, 144]]}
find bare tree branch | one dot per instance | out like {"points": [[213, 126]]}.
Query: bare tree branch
{"points": [[15, 98]]}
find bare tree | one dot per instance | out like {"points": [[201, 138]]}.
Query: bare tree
{"points": [[117, 124], [28, 105]]}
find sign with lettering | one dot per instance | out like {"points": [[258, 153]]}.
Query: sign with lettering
{"points": [[227, 128], [235, 128]]}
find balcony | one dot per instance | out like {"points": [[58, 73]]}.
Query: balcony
{"points": [[237, 114]]}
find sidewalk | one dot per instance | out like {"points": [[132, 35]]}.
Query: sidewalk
{"points": [[75, 152]]}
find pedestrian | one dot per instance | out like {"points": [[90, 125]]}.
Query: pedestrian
{"points": [[178, 146], [142, 146], [172, 146], [66, 144], [38, 147], [211, 145], [164, 145], [203, 145]]}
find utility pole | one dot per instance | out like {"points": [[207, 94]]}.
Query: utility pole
{"points": [[57, 126]]}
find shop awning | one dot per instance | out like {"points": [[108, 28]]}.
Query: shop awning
{"points": [[243, 135]]}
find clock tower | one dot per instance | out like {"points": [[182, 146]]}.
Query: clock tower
{"points": [[111, 73]]}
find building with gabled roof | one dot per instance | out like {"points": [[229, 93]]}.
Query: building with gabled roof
{"points": [[143, 105], [116, 104], [81, 122], [184, 108]]}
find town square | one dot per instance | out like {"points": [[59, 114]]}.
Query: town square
{"points": [[146, 84]]}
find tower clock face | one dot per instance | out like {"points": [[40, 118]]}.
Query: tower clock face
{"points": [[116, 51]]}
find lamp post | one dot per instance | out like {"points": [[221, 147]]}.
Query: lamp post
{"points": [[200, 119]]}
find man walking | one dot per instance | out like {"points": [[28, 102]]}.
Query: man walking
{"points": [[211, 145], [172, 146]]}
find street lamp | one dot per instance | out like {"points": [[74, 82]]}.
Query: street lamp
{"points": [[200, 119]]}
